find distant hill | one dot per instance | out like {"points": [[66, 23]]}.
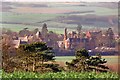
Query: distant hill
{"points": [[60, 15]]}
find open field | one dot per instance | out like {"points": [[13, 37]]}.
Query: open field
{"points": [[59, 15]]}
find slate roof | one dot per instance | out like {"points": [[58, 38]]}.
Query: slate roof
{"points": [[77, 40]]}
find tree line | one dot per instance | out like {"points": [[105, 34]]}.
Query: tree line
{"points": [[38, 57]]}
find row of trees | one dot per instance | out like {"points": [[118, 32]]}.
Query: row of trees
{"points": [[38, 57]]}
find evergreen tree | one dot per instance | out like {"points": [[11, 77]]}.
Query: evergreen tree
{"points": [[7, 64], [84, 62], [34, 53], [24, 32]]}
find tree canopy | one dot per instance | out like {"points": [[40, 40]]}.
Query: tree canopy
{"points": [[84, 62], [34, 53]]}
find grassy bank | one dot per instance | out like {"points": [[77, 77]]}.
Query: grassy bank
{"points": [[50, 75]]}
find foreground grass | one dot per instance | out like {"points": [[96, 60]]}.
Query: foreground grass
{"points": [[51, 75]]}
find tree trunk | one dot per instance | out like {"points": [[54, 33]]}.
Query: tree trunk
{"points": [[42, 63], [34, 65]]}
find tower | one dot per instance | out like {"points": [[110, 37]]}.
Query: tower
{"points": [[65, 39], [65, 34]]}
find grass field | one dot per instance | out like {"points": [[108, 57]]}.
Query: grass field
{"points": [[27, 17], [60, 75]]}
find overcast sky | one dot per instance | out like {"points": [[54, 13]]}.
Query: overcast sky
{"points": [[62, 0]]}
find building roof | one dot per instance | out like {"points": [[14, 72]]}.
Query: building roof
{"points": [[95, 32], [88, 34], [77, 40], [23, 38]]}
